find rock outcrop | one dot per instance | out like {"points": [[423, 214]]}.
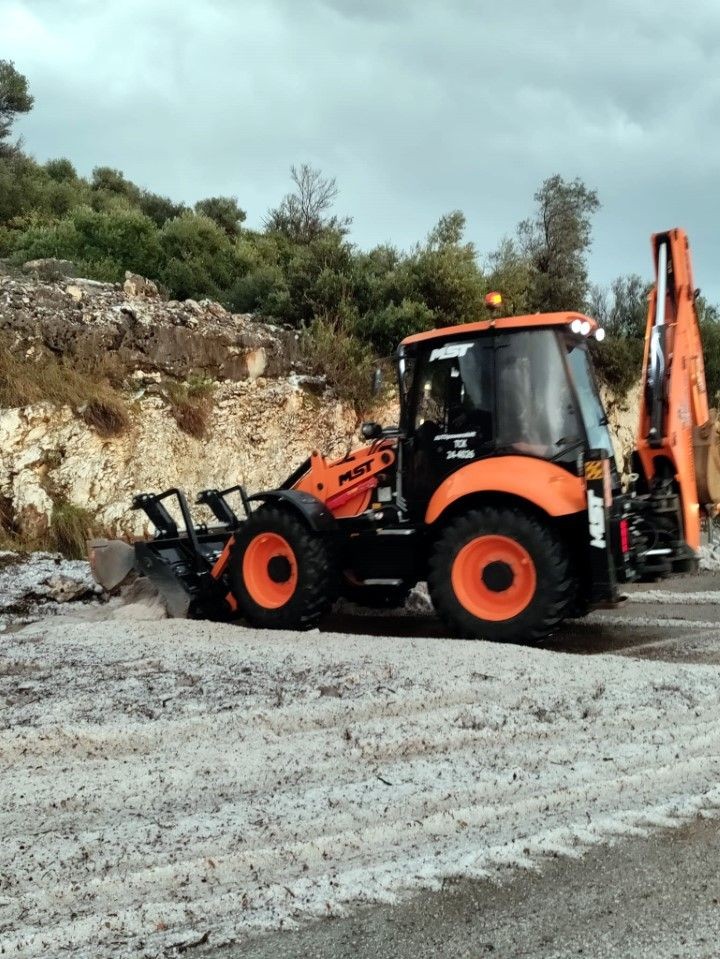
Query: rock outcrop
{"points": [[623, 414], [259, 432], [266, 415], [85, 318]]}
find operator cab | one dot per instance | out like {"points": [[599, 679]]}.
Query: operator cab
{"points": [[506, 387]]}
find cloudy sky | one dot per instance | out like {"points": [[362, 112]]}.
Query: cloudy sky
{"points": [[415, 106]]}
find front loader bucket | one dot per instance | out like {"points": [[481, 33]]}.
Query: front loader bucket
{"points": [[157, 561], [111, 561], [180, 559]]}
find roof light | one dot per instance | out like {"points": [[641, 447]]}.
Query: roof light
{"points": [[599, 334], [576, 326], [585, 327], [493, 299]]}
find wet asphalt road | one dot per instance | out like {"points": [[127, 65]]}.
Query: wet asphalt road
{"points": [[652, 898], [673, 631], [656, 897]]}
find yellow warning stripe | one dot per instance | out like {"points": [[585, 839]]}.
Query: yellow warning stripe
{"points": [[594, 470]]}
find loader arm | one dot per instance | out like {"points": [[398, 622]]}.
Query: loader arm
{"points": [[345, 484], [674, 413]]}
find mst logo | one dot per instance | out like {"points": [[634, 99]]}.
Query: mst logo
{"points": [[596, 519], [449, 352], [355, 473]]}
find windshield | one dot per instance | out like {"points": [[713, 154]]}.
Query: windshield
{"points": [[536, 408], [591, 408], [503, 393]]}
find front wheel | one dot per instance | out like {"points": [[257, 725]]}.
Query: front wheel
{"points": [[281, 573], [500, 573]]}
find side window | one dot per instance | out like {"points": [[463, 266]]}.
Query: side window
{"points": [[406, 377], [455, 405]]}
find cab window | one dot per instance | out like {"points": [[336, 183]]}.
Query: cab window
{"points": [[593, 414], [455, 395]]}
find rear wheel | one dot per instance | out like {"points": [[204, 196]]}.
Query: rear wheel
{"points": [[280, 572], [500, 574]]}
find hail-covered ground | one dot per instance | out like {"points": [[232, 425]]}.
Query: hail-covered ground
{"points": [[175, 785]]}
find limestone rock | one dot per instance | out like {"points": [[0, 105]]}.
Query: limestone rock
{"points": [[49, 268], [136, 285], [88, 318], [32, 507], [257, 435], [622, 417], [65, 589]]}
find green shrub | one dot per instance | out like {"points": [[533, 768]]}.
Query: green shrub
{"points": [[388, 326], [618, 362], [106, 244], [345, 360], [198, 258], [224, 210], [710, 333]]}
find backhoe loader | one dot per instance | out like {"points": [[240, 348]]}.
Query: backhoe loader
{"points": [[498, 487]]}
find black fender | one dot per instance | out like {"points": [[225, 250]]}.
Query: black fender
{"points": [[316, 514]]}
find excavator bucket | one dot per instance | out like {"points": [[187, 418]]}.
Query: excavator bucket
{"points": [[706, 442]]}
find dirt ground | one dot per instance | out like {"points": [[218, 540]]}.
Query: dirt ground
{"points": [[370, 789]]}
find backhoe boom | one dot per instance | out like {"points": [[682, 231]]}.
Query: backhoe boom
{"points": [[674, 413]]}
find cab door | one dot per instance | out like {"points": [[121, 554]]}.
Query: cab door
{"points": [[451, 414]]}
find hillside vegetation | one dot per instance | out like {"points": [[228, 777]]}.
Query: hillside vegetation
{"points": [[301, 267]]}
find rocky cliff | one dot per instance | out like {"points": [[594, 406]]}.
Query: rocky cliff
{"points": [[259, 432], [623, 414], [264, 418], [81, 319]]}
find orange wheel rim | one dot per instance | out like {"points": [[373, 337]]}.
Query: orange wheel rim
{"points": [[494, 577], [270, 570]]}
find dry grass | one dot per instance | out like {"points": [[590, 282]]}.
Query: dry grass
{"points": [[107, 415], [70, 528], [68, 531], [191, 404], [44, 377]]}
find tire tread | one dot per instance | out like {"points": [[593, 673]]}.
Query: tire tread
{"points": [[316, 586], [538, 620]]}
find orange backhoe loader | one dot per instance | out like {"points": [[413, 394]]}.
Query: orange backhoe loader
{"points": [[498, 487]]}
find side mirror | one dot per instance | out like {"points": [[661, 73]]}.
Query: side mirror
{"points": [[376, 381], [371, 431]]}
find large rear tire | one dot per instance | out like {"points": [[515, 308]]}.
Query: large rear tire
{"points": [[281, 573], [500, 573]]}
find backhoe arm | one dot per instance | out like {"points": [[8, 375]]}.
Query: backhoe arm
{"points": [[674, 415]]}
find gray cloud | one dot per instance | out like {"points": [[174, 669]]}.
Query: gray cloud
{"points": [[415, 107]]}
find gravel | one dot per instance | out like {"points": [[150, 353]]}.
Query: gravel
{"points": [[175, 783], [41, 584]]}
